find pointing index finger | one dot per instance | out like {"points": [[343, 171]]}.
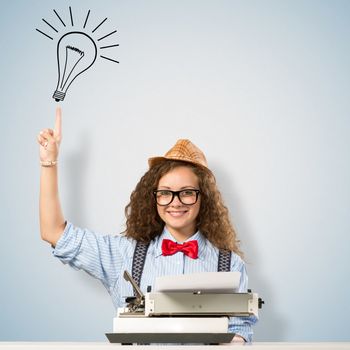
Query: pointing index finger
{"points": [[58, 122]]}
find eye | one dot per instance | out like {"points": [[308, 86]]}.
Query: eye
{"points": [[164, 193], [188, 193]]}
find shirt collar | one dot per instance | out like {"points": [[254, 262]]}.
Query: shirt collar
{"points": [[167, 235]]}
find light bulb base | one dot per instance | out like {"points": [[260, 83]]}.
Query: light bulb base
{"points": [[59, 95]]}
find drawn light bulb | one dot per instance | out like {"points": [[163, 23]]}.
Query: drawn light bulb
{"points": [[76, 52]]}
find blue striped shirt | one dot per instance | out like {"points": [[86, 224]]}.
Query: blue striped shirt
{"points": [[106, 257]]}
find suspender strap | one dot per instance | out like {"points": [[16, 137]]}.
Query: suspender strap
{"points": [[224, 263], [138, 261]]}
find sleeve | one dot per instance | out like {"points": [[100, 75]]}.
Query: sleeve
{"points": [[98, 255], [242, 326]]}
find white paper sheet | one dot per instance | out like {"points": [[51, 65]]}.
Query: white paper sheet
{"points": [[209, 282]]}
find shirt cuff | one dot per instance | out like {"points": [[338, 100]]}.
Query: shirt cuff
{"points": [[65, 250], [243, 327]]}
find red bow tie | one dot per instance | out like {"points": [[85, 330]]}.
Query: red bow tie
{"points": [[189, 248]]}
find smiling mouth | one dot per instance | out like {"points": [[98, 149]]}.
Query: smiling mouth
{"points": [[177, 213]]}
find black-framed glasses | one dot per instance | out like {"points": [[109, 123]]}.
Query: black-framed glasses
{"points": [[188, 196]]}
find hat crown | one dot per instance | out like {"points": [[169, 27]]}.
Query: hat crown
{"points": [[186, 150], [183, 150]]}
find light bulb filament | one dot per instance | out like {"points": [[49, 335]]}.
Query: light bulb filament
{"points": [[70, 63]]}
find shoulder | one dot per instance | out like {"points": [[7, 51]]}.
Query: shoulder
{"points": [[125, 245]]}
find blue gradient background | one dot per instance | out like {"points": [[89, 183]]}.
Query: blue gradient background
{"points": [[261, 86]]}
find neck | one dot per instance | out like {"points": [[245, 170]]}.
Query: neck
{"points": [[179, 235]]}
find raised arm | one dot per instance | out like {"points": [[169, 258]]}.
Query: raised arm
{"points": [[52, 222]]}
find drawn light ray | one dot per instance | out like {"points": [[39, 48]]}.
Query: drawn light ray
{"points": [[44, 33], [50, 25], [59, 17], [86, 18], [106, 47], [107, 35], [76, 52], [99, 25], [109, 59], [71, 16]]}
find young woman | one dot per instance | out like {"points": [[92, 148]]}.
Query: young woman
{"points": [[176, 200]]}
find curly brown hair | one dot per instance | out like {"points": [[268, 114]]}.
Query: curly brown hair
{"points": [[143, 222]]}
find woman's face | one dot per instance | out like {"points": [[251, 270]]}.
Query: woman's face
{"points": [[179, 218]]}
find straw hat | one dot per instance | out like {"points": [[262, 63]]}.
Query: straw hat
{"points": [[183, 150]]}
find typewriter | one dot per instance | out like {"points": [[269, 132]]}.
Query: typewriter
{"points": [[188, 315]]}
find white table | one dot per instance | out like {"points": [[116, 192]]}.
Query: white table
{"points": [[106, 346]]}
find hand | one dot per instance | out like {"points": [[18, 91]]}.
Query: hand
{"points": [[237, 339], [50, 140]]}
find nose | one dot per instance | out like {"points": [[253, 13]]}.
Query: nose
{"points": [[176, 200]]}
